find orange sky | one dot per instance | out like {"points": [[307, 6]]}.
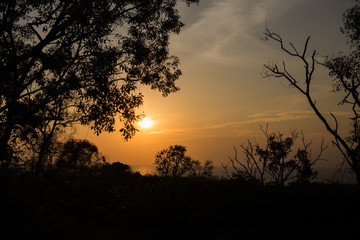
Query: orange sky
{"points": [[223, 98]]}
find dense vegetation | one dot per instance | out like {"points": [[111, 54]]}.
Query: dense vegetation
{"points": [[115, 203]]}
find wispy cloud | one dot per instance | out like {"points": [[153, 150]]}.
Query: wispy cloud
{"points": [[233, 126], [228, 29], [280, 116]]}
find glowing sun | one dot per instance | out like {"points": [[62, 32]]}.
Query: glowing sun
{"points": [[145, 122]]}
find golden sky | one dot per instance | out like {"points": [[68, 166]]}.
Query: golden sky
{"points": [[223, 98]]}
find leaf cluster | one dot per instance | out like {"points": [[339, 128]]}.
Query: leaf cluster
{"points": [[83, 61]]}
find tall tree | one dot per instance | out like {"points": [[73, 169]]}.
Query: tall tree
{"points": [[344, 69], [91, 55]]}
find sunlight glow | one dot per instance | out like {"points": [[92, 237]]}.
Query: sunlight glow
{"points": [[145, 122]]}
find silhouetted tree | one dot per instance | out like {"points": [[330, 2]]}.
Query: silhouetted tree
{"points": [[42, 142], [78, 156], [198, 170], [41, 146], [345, 69], [174, 162], [91, 55], [274, 163]]}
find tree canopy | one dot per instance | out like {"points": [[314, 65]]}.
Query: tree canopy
{"points": [[79, 155], [65, 61], [174, 162]]}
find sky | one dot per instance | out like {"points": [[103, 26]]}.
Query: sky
{"points": [[223, 99]]}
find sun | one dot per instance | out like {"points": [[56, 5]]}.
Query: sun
{"points": [[145, 122]]}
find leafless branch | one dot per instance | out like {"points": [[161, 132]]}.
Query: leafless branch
{"points": [[309, 65]]}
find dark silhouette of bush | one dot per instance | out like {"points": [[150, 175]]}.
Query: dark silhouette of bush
{"points": [[115, 169]]}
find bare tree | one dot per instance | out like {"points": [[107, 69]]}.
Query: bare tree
{"points": [[345, 71], [350, 148]]}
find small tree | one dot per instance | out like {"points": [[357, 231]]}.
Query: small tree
{"points": [[79, 155], [274, 163], [174, 162], [206, 170]]}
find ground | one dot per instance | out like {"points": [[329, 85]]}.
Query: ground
{"points": [[131, 206]]}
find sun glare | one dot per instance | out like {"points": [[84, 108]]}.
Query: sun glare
{"points": [[145, 122]]}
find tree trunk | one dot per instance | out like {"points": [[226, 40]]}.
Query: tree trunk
{"points": [[39, 168], [44, 147], [5, 155]]}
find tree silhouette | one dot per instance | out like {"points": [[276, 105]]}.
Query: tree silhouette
{"points": [[198, 170], [90, 56], [78, 156], [42, 142], [274, 163], [174, 162], [345, 70]]}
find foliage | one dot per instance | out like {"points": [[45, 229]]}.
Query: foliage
{"points": [[274, 163], [78, 156], [344, 69], [43, 148], [115, 168], [199, 170], [174, 162], [81, 61]]}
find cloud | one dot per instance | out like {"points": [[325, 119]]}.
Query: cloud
{"points": [[228, 29], [280, 116], [212, 130]]}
